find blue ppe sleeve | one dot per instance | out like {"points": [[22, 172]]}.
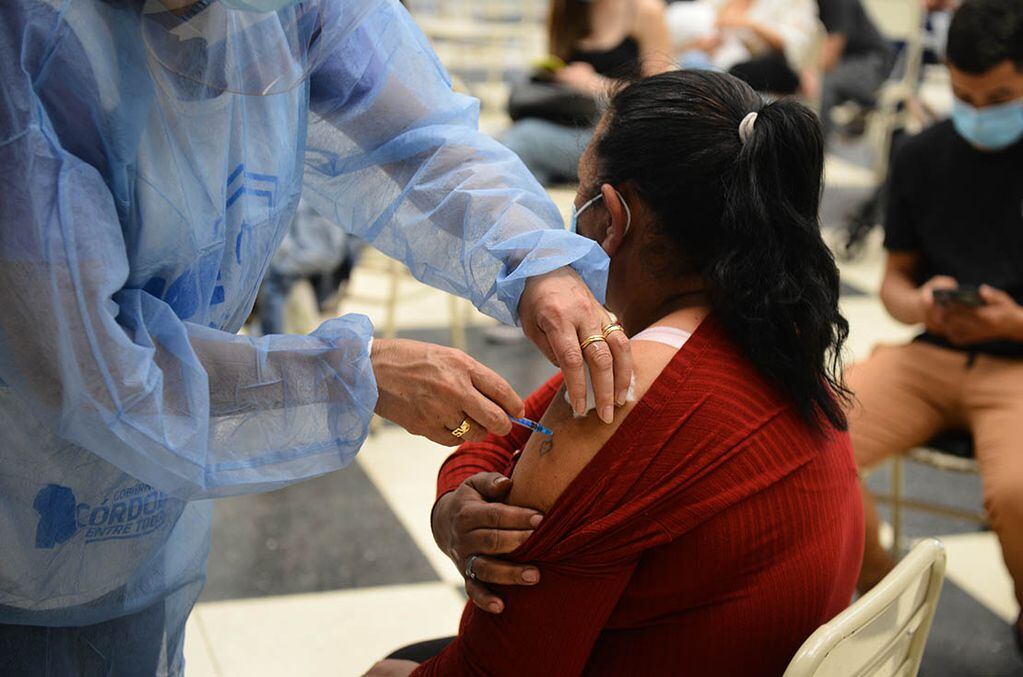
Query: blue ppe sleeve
{"points": [[395, 156], [190, 410]]}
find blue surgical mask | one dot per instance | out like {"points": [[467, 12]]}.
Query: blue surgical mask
{"points": [[573, 220], [990, 128]]}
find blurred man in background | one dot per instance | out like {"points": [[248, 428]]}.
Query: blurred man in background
{"points": [[954, 235]]}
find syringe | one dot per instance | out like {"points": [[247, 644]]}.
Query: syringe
{"points": [[532, 425]]}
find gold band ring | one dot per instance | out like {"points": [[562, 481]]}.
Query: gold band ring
{"points": [[462, 428], [590, 340], [610, 329]]}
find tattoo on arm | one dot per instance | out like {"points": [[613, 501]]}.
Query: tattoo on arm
{"points": [[547, 446]]}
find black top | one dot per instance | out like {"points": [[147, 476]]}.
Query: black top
{"points": [[620, 62], [848, 18], [961, 209]]}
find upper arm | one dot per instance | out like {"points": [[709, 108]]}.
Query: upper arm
{"points": [[549, 463], [901, 266], [651, 31], [832, 50]]}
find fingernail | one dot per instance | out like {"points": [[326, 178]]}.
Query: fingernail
{"points": [[579, 407], [623, 396], [531, 576], [607, 414], [535, 520], [500, 481], [494, 608]]}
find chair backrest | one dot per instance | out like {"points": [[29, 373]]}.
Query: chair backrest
{"points": [[883, 634], [898, 20]]}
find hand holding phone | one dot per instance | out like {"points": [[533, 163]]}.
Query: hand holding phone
{"points": [[967, 295]]}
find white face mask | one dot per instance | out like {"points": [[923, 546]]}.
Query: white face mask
{"points": [[573, 221]]}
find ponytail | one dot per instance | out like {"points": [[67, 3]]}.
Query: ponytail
{"points": [[742, 212], [775, 282]]}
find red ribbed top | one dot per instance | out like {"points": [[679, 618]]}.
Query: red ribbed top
{"points": [[710, 535]]}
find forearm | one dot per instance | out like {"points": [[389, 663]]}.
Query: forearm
{"points": [[901, 298], [831, 52], [1015, 328]]}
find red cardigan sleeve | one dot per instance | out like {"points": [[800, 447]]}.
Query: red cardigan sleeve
{"points": [[494, 454], [547, 629]]}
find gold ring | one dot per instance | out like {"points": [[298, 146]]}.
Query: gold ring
{"points": [[462, 428], [610, 329], [590, 340]]}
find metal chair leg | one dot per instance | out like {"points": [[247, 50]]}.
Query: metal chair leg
{"points": [[896, 507]]}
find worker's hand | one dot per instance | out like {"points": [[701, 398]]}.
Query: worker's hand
{"points": [[558, 313], [391, 667], [429, 390], [473, 520], [1000, 319]]}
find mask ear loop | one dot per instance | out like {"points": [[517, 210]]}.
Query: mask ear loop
{"points": [[628, 212]]}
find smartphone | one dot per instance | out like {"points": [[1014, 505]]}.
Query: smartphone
{"points": [[965, 295]]}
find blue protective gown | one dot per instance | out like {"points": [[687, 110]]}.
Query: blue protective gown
{"points": [[144, 193]]}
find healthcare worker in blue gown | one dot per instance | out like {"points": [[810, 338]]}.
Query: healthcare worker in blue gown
{"points": [[152, 153]]}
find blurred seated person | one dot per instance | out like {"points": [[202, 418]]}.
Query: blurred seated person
{"points": [[600, 42], [853, 62], [717, 522], [764, 42], [313, 248], [955, 218]]}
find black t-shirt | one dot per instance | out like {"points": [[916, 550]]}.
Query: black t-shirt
{"points": [[848, 18], [961, 209]]}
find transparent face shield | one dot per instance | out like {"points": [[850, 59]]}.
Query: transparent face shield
{"points": [[251, 47]]}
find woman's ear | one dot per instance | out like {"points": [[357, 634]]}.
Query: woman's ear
{"points": [[620, 217]]}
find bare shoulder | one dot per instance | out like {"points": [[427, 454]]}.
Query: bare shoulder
{"points": [[550, 463]]}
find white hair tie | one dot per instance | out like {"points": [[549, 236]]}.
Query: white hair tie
{"points": [[746, 127]]}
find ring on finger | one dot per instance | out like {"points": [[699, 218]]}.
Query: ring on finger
{"points": [[611, 328], [469, 563], [462, 428], [590, 340]]}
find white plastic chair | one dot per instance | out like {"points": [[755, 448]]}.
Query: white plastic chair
{"points": [[882, 634], [900, 21]]}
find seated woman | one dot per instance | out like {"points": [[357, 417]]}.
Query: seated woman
{"points": [[601, 42], [717, 521], [763, 42]]}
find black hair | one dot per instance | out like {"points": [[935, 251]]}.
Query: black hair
{"points": [[984, 33], [744, 216]]}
